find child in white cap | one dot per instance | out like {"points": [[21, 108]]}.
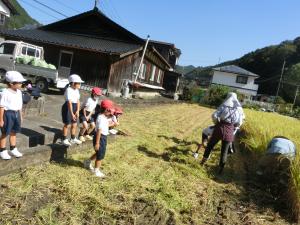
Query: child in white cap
{"points": [[70, 110], [11, 113]]}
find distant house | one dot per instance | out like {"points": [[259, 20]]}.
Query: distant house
{"points": [[236, 77], [98, 49], [6, 10]]}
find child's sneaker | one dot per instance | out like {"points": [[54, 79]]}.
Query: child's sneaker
{"points": [[16, 153], [88, 165], [76, 141], [82, 139], [98, 173], [4, 155], [196, 155], [88, 137], [66, 142]]}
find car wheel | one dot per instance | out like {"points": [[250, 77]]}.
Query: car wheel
{"points": [[42, 84]]}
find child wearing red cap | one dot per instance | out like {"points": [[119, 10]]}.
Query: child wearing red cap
{"points": [[114, 119], [100, 138], [86, 115]]}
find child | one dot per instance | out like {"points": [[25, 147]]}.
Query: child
{"points": [[70, 110], [100, 138], [11, 113], [206, 134], [85, 115], [114, 120]]}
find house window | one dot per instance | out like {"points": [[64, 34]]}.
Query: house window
{"points": [[241, 80], [159, 75], [7, 48], [143, 71], [153, 69], [2, 19]]}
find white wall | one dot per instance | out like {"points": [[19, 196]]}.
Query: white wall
{"points": [[4, 9], [229, 79]]}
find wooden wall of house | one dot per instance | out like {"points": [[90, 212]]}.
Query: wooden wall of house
{"points": [[91, 66], [122, 69]]}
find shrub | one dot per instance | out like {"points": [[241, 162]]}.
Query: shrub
{"points": [[216, 95]]}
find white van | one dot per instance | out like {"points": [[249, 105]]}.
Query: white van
{"points": [[42, 77]]}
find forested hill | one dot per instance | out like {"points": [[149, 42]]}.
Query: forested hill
{"points": [[267, 62], [20, 20]]}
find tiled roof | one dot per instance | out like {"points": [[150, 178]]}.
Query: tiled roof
{"points": [[72, 40], [236, 70]]}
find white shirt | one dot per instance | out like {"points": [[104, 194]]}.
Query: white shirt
{"points": [[72, 95], [103, 124], [208, 131], [90, 104], [11, 100]]}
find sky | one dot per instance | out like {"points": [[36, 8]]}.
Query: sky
{"points": [[206, 31]]}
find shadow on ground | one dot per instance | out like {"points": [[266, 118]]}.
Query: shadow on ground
{"points": [[251, 196]]}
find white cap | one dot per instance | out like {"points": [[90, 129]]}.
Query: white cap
{"points": [[74, 78], [14, 76]]}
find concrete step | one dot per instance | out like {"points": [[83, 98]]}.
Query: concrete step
{"points": [[41, 154]]}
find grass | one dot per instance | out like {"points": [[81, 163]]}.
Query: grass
{"points": [[153, 166], [260, 128], [152, 178]]}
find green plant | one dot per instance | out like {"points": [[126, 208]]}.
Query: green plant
{"points": [[216, 95]]}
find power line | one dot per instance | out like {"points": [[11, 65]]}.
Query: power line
{"points": [[110, 3], [66, 6], [293, 84], [40, 10], [107, 12], [48, 7], [267, 79]]}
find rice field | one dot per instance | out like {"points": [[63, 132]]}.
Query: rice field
{"points": [[260, 128], [152, 178]]}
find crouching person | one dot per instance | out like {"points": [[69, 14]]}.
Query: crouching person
{"points": [[11, 113], [100, 137], [274, 166], [206, 134], [86, 115]]}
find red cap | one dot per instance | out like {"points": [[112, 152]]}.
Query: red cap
{"points": [[107, 104], [118, 110], [97, 91]]}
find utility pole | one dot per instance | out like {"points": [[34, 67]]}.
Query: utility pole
{"points": [[296, 94], [282, 71], [136, 74]]}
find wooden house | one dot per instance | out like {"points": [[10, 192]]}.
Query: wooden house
{"points": [[102, 52]]}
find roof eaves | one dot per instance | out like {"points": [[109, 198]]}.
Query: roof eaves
{"points": [[244, 74], [61, 44], [11, 7], [98, 13]]}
